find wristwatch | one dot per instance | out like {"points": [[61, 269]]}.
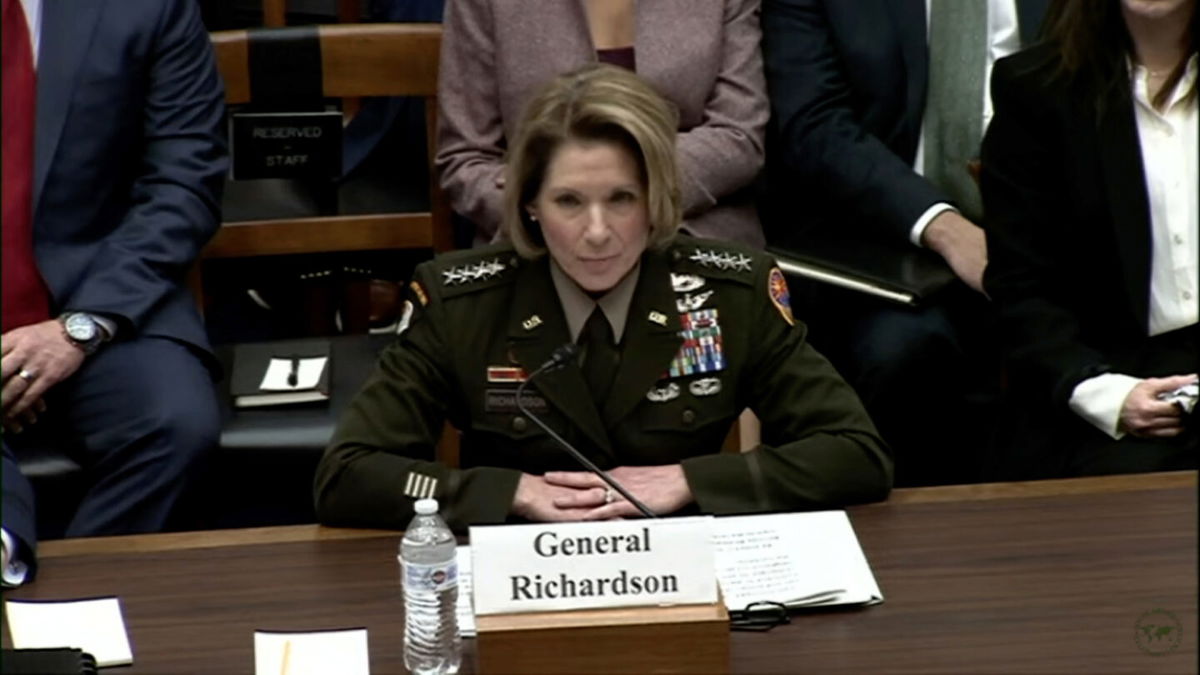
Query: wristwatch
{"points": [[83, 331]]}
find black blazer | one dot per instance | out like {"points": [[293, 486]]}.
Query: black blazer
{"points": [[847, 82], [1068, 228]]}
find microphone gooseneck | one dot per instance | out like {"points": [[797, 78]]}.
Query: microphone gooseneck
{"points": [[559, 358]]}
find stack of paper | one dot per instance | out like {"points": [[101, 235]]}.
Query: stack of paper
{"points": [[95, 626], [795, 559]]}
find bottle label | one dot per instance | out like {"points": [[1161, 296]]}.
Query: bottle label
{"points": [[430, 577]]}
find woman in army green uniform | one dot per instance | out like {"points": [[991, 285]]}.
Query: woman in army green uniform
{"points": [[678, 336]]}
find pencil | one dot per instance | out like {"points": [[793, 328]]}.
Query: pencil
{"points": [[287, 657]]}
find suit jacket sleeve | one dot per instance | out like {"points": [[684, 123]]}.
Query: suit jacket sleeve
{"points": [[19, 518], [470, 155], [725, 153], [820, 449], [1022, 189], [176, 197], [821, 139], [390, 430]]}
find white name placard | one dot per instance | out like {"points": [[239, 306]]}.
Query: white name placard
{"points": [[546, 567]]}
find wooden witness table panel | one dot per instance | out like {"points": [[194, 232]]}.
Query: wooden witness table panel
{"points": [[1048, 577]]}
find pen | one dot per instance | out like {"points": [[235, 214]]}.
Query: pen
{"points": [[294, 373]]}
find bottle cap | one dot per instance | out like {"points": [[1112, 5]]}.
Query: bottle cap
{"points": [[426, 507]]}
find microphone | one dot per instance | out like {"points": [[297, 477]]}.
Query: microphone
{"points": [[559, 358]]}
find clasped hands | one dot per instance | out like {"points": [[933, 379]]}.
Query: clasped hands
{"points": [[33, 358], [560, 496]]}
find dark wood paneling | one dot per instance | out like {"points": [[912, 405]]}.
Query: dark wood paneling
{"points": [[274, 13], [384, 59], [321, 235]]}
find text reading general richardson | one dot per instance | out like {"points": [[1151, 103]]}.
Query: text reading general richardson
{"points": [[620, 583]]}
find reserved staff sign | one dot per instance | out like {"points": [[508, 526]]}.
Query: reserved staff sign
{"points": [[560, 566]]}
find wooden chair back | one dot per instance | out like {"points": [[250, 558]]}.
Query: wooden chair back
{"points": [[357, 60], [275, 12]]}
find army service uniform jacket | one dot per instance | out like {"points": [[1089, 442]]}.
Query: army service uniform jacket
{"points": [[709, 333]]}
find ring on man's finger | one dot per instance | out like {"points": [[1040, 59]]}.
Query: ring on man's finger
{"points": [[27, 375], [609, 496]]}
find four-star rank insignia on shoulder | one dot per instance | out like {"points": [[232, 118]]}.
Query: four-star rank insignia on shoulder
{"points": [[482, 270], [721, 260], [778, 291]]}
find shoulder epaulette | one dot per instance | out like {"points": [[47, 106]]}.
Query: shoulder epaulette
{"points": [[462, 272], [715, 259]]}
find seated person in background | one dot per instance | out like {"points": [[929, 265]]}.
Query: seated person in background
{"points": [[1089, 177], [702, 56], [877, 110], [679, 335], [102, 343]]}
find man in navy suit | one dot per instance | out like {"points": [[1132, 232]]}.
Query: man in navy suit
{"points": [[859, 93], [113, 163]]}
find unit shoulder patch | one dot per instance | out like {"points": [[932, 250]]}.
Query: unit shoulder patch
{"points": [[777, 290]]}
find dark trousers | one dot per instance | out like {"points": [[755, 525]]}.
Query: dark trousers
{"points": [[1041, 440], [928, 376], [137, 416]]}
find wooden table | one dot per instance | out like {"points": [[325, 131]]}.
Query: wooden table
{"points": [[1046, 577]]}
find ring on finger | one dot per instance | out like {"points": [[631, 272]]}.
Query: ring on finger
{"points": [[27, 375], [609, 496]]}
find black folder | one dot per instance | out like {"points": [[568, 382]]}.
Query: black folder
{"points": [[900, 273], [250, 363], [59, 661]]}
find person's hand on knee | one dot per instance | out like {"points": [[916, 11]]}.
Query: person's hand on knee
{"points": [[35, 358]]}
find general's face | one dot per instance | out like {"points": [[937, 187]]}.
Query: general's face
{"points": [[1157, 9], [592, 209]]}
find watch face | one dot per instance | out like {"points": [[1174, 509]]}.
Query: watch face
{"points": [[80, 327]]}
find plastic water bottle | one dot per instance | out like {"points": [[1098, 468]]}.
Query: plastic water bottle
{"points": [[432, 645]]}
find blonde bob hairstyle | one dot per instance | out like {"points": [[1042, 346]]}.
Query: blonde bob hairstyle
{"points": [[596, 103]]}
